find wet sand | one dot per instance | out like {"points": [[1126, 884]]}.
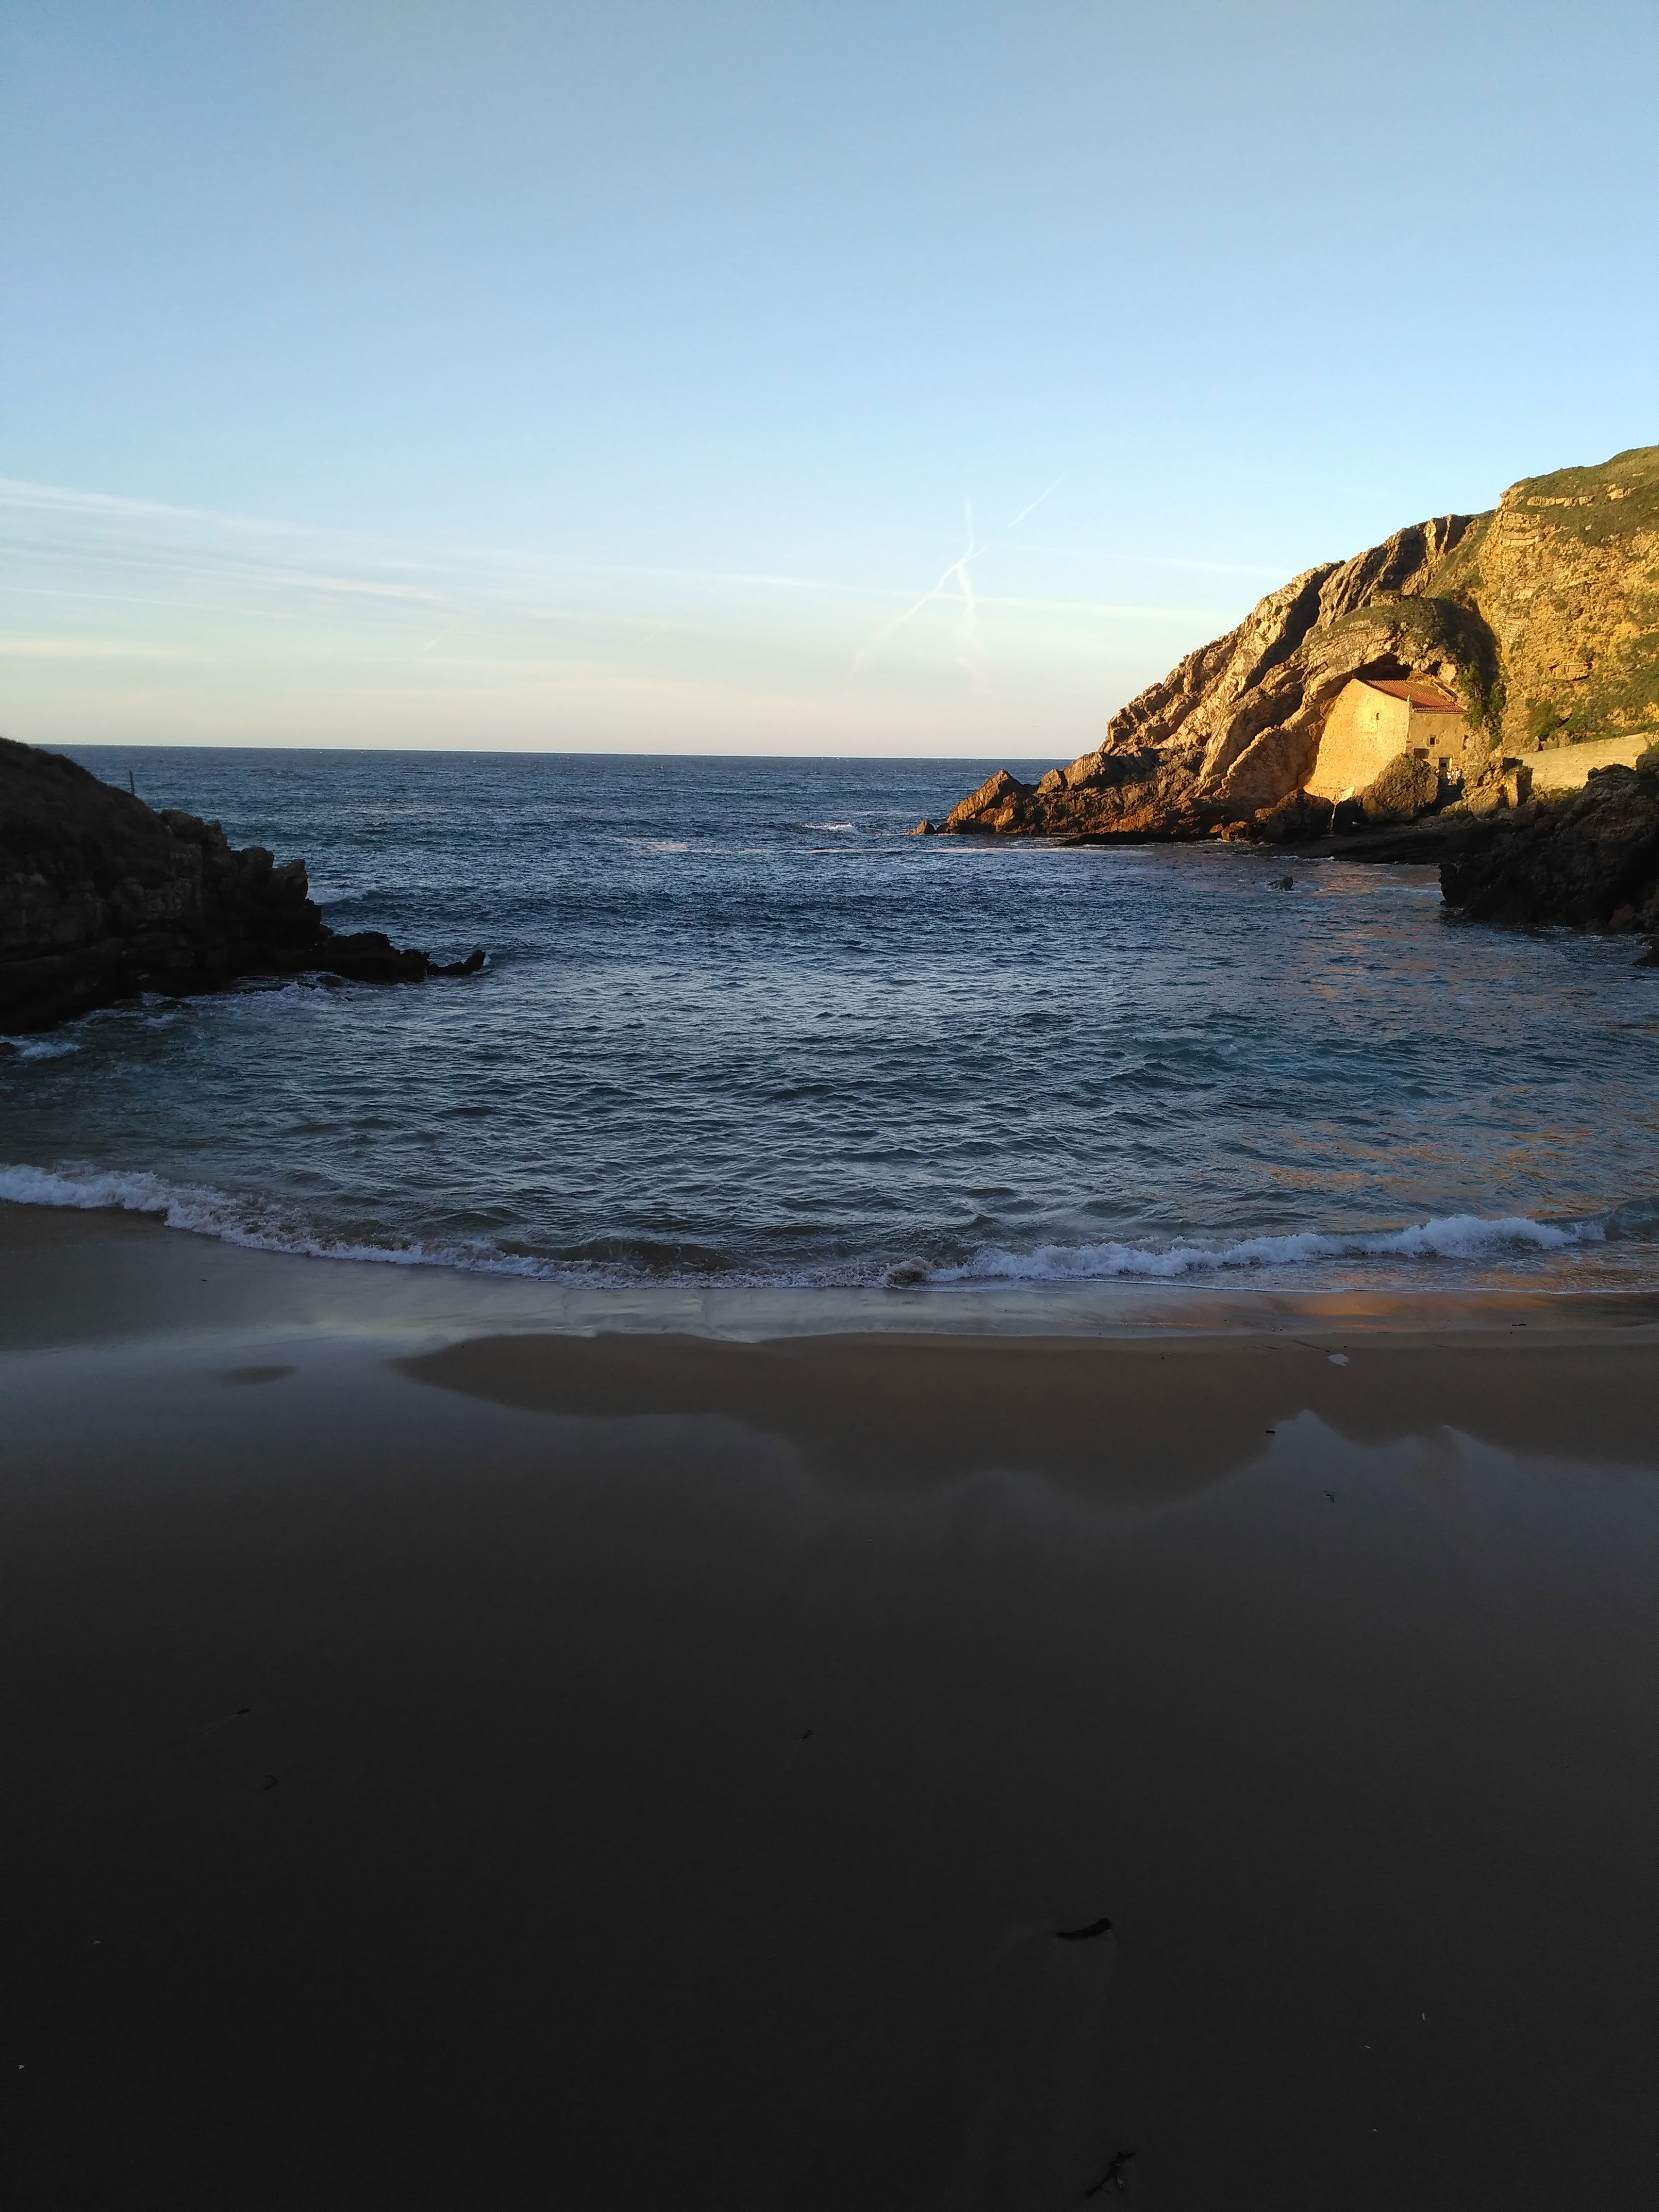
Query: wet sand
{"points": [[452, 1759]]}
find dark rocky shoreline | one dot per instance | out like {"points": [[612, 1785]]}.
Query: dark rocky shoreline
{"points": [[1584, 860], [102, 898], [1587, 860]]}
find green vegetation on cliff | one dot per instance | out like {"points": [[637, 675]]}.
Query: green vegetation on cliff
{"points": [[1564, 574], [1616, 498]]}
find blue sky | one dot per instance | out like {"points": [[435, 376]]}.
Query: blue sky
{"points": [[755, 375]]}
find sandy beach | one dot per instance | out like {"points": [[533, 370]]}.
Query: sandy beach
{"points": [[468, 1743]]}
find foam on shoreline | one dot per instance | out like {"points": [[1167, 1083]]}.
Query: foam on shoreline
{"points": [[1456, 1236], [1448, 1253]]}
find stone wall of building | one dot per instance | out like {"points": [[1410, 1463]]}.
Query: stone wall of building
{"points": [[1370, 724], [1448, 741], [1364, 732]]}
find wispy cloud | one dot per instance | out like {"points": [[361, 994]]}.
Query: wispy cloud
{"points": [[15, 491], [1115, 609], [233, 563], [90, 648], [284, 632], [1131, 559]]}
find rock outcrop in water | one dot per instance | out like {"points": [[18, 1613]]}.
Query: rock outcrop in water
{"points": [[1591, 861], [101, 897], [1542, 616]]}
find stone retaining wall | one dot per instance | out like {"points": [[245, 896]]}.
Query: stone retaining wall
{"points": [[1565, 767]]}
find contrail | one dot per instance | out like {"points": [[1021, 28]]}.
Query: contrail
{"points": [[971, 651], [1036, 503], [970, 648]]}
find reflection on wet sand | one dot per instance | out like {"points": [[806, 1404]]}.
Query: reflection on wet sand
{"points": [[1128, 1420]]}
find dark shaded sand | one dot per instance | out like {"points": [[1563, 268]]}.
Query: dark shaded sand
{"points": [[450, 1767]]}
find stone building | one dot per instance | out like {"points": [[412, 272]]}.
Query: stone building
{"points": [[1373, 720]]}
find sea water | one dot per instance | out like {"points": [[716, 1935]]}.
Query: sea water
{"points": [[739, 1025]]}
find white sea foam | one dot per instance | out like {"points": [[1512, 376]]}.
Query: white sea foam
{"points": [[251, 1223], [40, 1047], [259, 1226], [151, 1011], [1456, 1237]]}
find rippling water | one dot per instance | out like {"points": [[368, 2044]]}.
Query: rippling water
{"points": [[736, 1023]]}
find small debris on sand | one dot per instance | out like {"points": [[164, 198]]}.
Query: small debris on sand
{"points": [[1101, 1926], [1115, 2174]]}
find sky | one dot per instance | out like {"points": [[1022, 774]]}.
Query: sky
{"points": [[771, 376]]}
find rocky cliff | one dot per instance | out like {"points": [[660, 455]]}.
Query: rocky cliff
{"points": [[1543, 615], [101, 897]]}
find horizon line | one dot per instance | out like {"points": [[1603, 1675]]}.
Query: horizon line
{"points": [[495, 752]]}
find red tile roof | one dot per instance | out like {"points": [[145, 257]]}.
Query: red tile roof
{"points": [[1417, 691]]}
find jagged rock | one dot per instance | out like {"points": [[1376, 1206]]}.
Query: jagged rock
{"points": [[1234, 730], [366, 956], [101, 897], [1406, 788], [1293, 820], [1542, 614], [1505, 782], [1002, 802], [1590, 860]]}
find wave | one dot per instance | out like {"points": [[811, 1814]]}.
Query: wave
{"points": [[39, 1047], [150, 1010], [259, 1224], [1454, 1236], [252, 1222]]}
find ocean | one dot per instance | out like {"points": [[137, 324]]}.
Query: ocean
{"points": [[739, 1026]]}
